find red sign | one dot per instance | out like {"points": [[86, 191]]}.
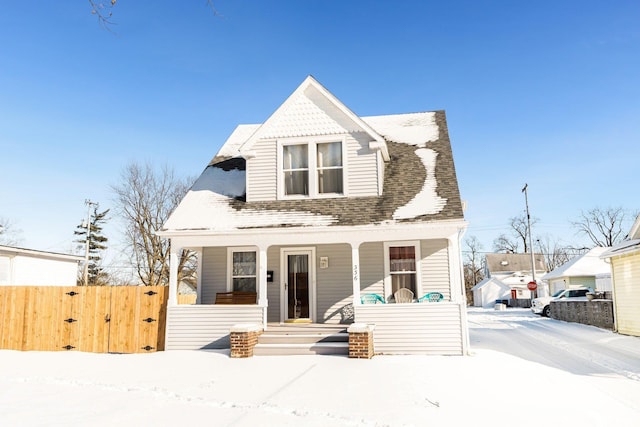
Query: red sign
{"points": [[532, 286]]}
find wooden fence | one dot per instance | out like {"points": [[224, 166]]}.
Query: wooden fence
{"points": [[99, 319]]}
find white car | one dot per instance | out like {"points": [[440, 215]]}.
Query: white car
{"points": [[542, 305]]}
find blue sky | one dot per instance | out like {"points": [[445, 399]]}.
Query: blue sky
{"points": [[545, 93]]}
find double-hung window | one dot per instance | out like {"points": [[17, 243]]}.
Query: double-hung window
{"points": [[312, 169], [296, 169], [402, 266], [243, 271], [329, 167]]}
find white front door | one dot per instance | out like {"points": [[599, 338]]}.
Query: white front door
{"points": [[298, 284]]}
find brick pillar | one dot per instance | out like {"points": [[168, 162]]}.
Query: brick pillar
{"points": [[361, 341], [244, 338]]}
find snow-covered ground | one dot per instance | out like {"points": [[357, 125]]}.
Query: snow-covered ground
{"points": [[524, 370]]}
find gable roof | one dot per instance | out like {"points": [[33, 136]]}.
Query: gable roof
{"points": [[491, 281], [420, 183], [312, 110], [510, 263], [588, 264]]}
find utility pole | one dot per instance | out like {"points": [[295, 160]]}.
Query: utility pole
{"points": [[89, 204], [533, 262]]}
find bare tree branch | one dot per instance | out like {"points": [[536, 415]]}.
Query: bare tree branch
{"points": [[602, 226]]}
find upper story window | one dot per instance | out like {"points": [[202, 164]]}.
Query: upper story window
{"points": [[312, 168], [296, 169], [329, 166]]}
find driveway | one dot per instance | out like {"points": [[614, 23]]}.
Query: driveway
{"points": [[572, 347]]}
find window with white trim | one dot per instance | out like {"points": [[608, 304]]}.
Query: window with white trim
{"points": [[329, 167], [243, 271], [402, 267], [312, 169], [296, 169]]}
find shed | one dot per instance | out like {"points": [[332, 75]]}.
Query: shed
{"points": [[486, 292]]}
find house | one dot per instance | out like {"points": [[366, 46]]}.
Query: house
{"points": [[28, 267], [624, 259], [488, 291], [514, 270], [316, 207], [580, 271]]}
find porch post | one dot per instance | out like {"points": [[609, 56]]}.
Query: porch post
{"points": [[262, 283], [199, 276], [174, 259], [355, 272], [456, 284]]}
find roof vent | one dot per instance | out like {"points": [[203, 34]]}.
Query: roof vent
{"points": [[504, 262]]}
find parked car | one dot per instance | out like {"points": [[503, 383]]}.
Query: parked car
{"points": [[542, 305]]}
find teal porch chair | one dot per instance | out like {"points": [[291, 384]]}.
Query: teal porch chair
{"points": [[371, 299], [431, 297]]}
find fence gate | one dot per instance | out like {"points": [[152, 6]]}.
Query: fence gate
{"points": [[99, 319]]}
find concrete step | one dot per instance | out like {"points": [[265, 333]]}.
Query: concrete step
{"points": [[322, 348], [301, 338]]}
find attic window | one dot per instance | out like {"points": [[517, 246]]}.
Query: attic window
{"points": [[311, 169]]}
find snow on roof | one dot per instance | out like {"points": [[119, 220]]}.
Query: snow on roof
{"points": [[427, 201], [588, 264], [232, 145], [626, 247], [490, 280], [413, 128], [207, 206]]}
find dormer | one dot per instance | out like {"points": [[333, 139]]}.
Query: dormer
{"points": [[313, 147]]}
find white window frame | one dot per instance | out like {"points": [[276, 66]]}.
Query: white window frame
{"points": [[230, 252], [387, 266], [312, 152]]}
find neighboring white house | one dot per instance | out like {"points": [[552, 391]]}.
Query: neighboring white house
{"points": [[580, 271], [486, 292], [514, 270], [625, 265], [28, 267], [315, 207]]}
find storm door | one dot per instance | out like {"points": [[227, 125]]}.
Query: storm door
{"points": [[298, 285]]}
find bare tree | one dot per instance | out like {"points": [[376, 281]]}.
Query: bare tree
{"points": [[519, 233], [604, 227], [9, 234], [103, 10], [555, 254], [473, 265], [145, 198]]}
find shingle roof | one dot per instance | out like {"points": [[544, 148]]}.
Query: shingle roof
{"points": [[507, 263], [207, 206]]}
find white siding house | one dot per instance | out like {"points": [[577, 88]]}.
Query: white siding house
{"points": [[316, 207], [27, 267], [625, 266]]}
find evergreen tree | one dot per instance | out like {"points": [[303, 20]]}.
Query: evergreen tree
{"points": [[97, 244]]}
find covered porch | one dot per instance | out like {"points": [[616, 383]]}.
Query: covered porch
{"points": [[319, 277]]}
